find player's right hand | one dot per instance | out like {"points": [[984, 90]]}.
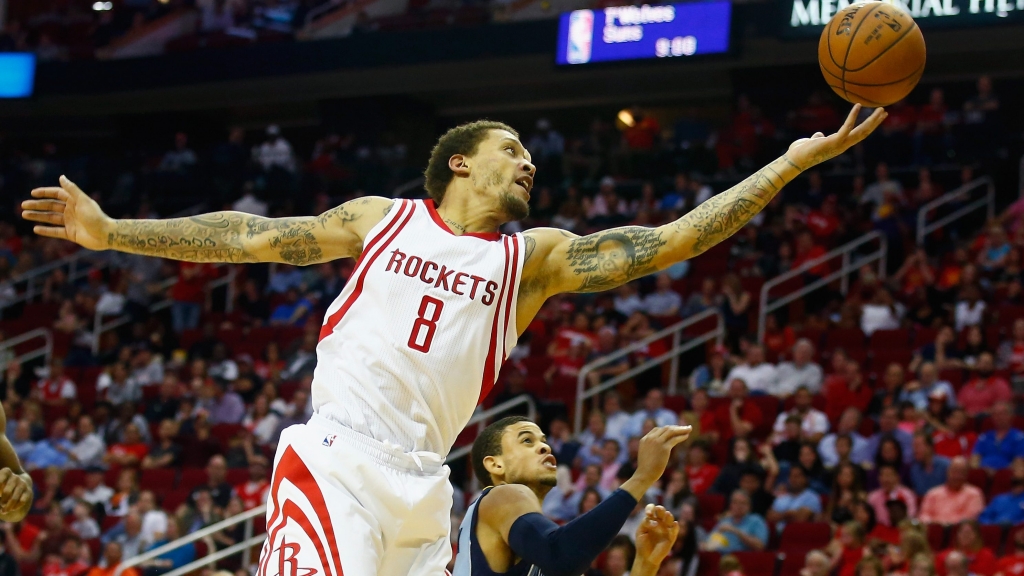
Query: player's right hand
{"points": [[656, 535], [655, 449], [15, 496], [69, 214]]}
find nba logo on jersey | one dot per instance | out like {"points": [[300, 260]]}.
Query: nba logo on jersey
{"points": [[581, 36], [329, 439]]}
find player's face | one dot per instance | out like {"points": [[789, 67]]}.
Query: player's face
{"points": [[526, 456], [503, 173]]}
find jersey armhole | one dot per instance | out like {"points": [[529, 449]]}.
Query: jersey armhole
{"points": [[379, 227]]}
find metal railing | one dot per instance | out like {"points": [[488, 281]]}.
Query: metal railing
{"points": [[849, 264], [78, 266], [678, 347], [100, 326], [480, 419], [45, 351], [247, 543], [322, 10], [962, 193]]}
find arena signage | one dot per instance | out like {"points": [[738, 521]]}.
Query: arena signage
{"points": [[639, 32], [807, 17]]}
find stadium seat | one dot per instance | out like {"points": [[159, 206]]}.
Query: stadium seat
{"points": [[158, 480], [676, 404], [710, 505], [225, 432], [72, 478], [804, 536], [845, 338], [792, 562], [1001, 483], [936, 536], [237, 476], [191, 477], [890, 339], [979, 478], [992, 536], [757, 563], [708, 565], [175, 498]]}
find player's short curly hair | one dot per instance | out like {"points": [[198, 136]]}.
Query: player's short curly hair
{"points": [[463, 139], [488, 443]]}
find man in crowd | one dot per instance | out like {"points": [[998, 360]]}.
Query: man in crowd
{"points": [[888, 425], [889, 488], [653, 408], [740, 416], [219, 489], [802, 372], [798, 503], [1007, 509], [954, 501], [758, 375], [813, 423], [1001, 445], [927, 470], [739, 530], [985, 389], [848, 426]]}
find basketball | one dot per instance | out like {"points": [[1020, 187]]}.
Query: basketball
{"points": [[872, 53]]}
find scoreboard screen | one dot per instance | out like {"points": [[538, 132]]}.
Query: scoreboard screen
{"points": [[639, 32], [17, 74]]}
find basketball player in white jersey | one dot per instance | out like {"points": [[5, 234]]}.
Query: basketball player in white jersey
{"points": [[416, 338]]}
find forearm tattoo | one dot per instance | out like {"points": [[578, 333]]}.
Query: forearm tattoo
{"points": [[723, 215], [229, 237], [608, 259]]}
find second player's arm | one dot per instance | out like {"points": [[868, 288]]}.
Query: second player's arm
{"points": [[235, 237], [561, 262]]}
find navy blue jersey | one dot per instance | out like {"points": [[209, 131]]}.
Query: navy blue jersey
{"points": [[471, 561]]}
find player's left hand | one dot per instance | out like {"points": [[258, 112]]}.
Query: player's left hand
{"points": [[656, 535], [808, 152], [15, 496]]}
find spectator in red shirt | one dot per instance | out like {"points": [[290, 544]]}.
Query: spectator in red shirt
{"points": [[1011, 352], [807, 250], [68, 562], [578, 332], [701, 473], [824, 221], [951, 439], [967, 541], [56, 389], [930, 140], [130, 452], [848, 549], [847, 391], [740, 417], [188, 294], [985, 389], [253, 492]]}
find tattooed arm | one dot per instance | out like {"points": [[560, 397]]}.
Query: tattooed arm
{"points": [[561, 262], [217, 237]]}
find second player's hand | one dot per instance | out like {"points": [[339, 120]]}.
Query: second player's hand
{"points": [[655, 449], [655, 538], [15, 496], [67, 213], [808, 152]]}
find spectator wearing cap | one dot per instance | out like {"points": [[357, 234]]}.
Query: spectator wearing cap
{"points": [[664, 301], [847, 427], [813, 423], [740, 417], [653, 408], [954, 501], [802, 372], [147, 368], [927, 470], [756, 374], [890, 488], [56, 388], [1001, 445], [918, 392], [985, 389], [1007, 509], [710, 377]]}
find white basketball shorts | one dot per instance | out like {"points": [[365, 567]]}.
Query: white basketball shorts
{"points": [[344, 504]]}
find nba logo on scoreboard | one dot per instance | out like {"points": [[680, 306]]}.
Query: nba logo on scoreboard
{"points": [[329, 439], [581, 36]]}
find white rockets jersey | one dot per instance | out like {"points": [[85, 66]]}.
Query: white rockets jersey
{"points": [[417, 336]]}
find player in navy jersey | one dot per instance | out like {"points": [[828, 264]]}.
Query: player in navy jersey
{"points": [[504, 532]]}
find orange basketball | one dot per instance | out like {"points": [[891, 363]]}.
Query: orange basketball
{"points": [[872, 53]]}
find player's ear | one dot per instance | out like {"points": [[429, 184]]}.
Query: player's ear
{"points": [[459, 164], [494, 466]]}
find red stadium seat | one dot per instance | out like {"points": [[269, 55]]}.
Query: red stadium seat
{"points": [[923, 336], [992, 536], [72, 478], [237, 476], [846, 338], [757, 563], [710, 505], [979, 478], [708, 565], [804, 536], [890, 339], [676, 404], [225, 432], [1001, 483], [175, 498], [191, 477], [158, 479], [937, 536]]}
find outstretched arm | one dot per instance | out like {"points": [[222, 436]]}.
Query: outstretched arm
{"points": [[68, 213], [561, 262]]}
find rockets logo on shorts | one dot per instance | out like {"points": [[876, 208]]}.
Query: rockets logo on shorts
{"points": [[329, 439], [288, 565]]}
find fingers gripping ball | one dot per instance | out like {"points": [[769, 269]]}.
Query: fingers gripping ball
{"points": [[872, 53]]}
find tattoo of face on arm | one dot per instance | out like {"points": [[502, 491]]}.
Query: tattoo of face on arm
{"points": [[293, 238], [608, 259]]}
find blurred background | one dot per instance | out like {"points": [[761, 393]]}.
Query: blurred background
{"points": [[852, 360]]}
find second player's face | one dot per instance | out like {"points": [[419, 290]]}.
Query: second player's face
{"points": [[526, 456], [503, 172]]}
